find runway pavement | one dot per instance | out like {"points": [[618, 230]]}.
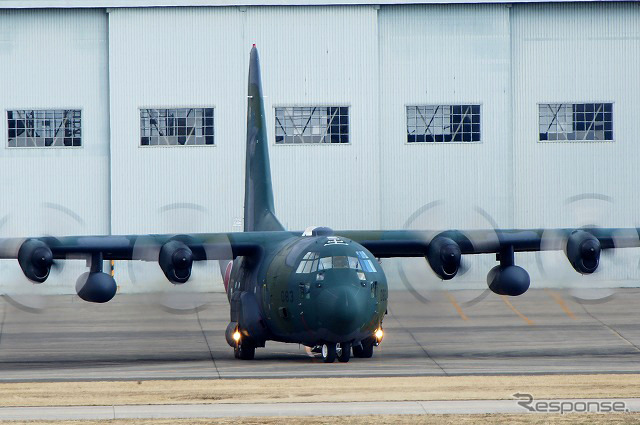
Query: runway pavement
{"points": [[540, 332]]}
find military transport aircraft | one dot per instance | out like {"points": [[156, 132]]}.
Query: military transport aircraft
{"points": [[321, 288]]}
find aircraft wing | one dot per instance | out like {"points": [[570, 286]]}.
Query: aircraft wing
{"points": [[204, 246], [415, 243], [443, 249], [174, 253]]}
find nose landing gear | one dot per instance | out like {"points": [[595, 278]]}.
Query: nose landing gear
{"points": [[341, 351], [328, 353]]}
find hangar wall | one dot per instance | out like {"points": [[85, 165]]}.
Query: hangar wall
{"points": [[54, 59], [375, 60], [578, 53]]}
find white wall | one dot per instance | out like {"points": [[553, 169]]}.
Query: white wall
{"points": [[578, 53], [54, 60], [322, 56]]}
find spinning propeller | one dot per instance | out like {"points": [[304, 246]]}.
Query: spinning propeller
{"points": [[588, 262], [36, 260], [444, 255], [172, 275]]}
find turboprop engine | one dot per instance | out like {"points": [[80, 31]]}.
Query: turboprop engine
{"points": [[583, 251], [175, 260], [35, 259], [443, 255]]}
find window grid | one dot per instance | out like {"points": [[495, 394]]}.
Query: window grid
{"points": [[575, 121], [176, 127], [44, 128], [312, 125], [443, 123]]}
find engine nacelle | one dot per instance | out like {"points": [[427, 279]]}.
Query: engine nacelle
{"points": [[175, 260], [583, 251], [444, 255], [508, 280], [35, 259], [96, 287]]}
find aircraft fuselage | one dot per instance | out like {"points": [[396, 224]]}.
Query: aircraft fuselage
{"points": [[310, 290]]}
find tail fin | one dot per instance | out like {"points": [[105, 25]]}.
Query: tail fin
{"points": [[259, 212]]}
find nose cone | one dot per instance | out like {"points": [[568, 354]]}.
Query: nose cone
{"points": [[342, 309]]}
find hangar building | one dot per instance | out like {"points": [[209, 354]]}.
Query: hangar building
{"points": [[129, 116]]}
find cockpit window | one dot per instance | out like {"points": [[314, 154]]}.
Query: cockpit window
{"points": [[366, 262], [340, 262], [325, 263], [362, 254], [344, 262], [309, 263]]}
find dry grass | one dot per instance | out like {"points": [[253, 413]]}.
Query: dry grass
{"points": [[535, 419], [316, 390]]}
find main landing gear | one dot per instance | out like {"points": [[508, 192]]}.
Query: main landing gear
{"points": [[341, 351], [243, 348], [365, 350], [244, 351]]}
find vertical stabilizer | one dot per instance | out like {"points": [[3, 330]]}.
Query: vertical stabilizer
{"points": [[259, 212]]}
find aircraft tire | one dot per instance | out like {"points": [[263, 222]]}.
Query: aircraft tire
{"points": [[328, 353], [344, 353], [365, 351], [245, 351]]}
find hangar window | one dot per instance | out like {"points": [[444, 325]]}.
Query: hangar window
{"points": [[175, 127], [443, 123], [316, 124], [44, 128], [576, 121]]}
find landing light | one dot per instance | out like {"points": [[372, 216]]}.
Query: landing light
{"points": [[236, 336], [379, 334]]}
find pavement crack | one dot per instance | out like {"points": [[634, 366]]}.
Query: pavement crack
{"points": [[416, 341], [204, 335], [611, 328], [4, 316]]}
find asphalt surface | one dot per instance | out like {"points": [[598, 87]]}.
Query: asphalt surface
{"points": [[455, 333], [175, 411]]}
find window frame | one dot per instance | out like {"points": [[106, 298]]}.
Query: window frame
{"points": [[316, 105], [466, 103], [50, 108], [573, 102], [165, 107]]}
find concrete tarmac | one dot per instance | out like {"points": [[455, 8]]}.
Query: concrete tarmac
{"points": [[176, 411], [456, 333]]}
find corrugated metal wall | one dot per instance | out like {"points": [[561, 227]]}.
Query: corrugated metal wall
{"points": [[54, 60], [433, 55], [375, 60], [577, 53], [321, 56]]}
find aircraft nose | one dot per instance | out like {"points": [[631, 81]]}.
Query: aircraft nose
{"points": [[341, 309]]}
